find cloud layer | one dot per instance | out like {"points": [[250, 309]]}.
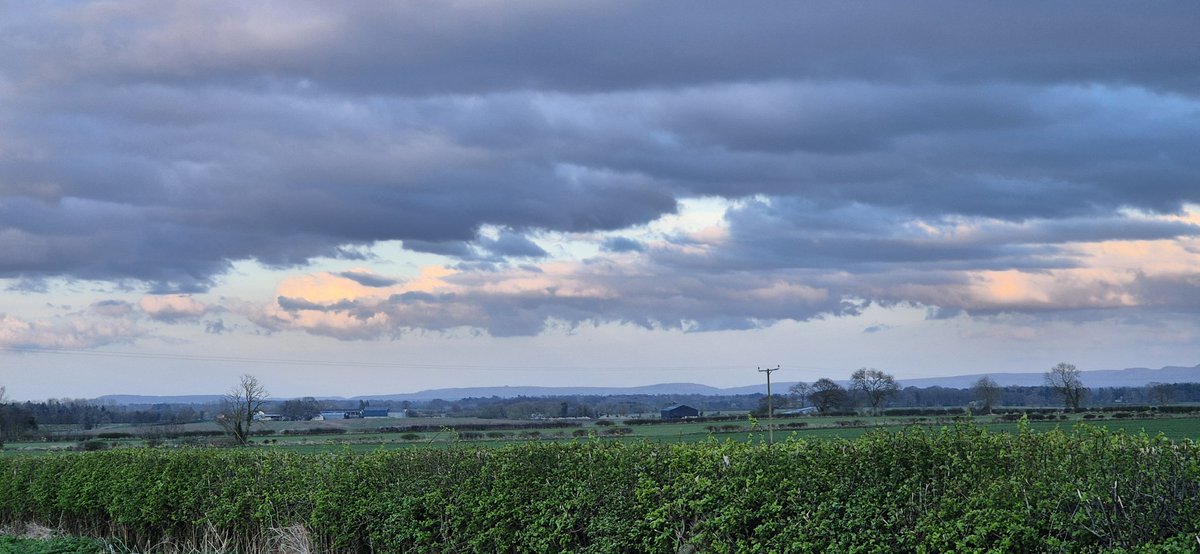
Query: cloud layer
{"points": [[967, 158]]}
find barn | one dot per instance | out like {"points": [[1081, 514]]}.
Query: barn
{"points": [[679, 411]]}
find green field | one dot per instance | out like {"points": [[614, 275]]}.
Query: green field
{"points": [[363, 436]]}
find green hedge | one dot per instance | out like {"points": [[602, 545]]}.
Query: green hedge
{"points": [[958, 489]]}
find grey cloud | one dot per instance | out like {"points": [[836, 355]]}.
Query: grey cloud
{"points": [[1180, 293], [295, 304], [479, 48], [34, 285], [215, 327], [622, 244], [368, 279], [111, 308], [793, 233], [509, 244], [159, 142], [694, 303]]}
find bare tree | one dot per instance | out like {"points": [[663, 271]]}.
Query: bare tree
{"points": [[827, 395], [875, 384], [799, 393], [1066, 381], [988, 392], [239, 407]]}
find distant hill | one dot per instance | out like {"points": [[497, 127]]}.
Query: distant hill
{"points": [[512, 392], [1132, 377]]}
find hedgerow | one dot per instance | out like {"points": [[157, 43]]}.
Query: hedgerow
{"points": [[960, 488]]}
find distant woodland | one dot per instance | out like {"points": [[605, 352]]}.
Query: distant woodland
{"points": [[17, 419]]}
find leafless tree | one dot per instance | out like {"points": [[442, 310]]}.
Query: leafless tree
{"points": [[988, 392], [239, 407], [1066, 381], [875, 384], [799, 393]]}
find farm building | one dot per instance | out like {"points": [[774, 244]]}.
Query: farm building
{"points": [[375, 412], [340, 414], [679, 411], [263, 416]]}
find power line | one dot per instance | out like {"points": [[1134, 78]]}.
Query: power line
{"points": [[770, 412]]}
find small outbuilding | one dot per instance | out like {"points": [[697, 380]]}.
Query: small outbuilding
{"points": [[679, 411]]}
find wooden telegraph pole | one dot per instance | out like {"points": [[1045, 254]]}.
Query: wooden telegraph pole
{"points": [[770, 411]]}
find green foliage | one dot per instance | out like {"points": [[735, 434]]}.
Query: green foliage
{"points": [[960, 488], [72, 545]]}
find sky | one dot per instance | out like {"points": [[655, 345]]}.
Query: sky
{"points": [[369, 198]]}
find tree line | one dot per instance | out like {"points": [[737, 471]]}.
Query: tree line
{"points": [[867, 388]]}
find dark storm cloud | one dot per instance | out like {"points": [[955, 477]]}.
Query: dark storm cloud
{"points": [[158, 142], [483, 47]]}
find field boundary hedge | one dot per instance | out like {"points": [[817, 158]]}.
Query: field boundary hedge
{"points": [[959, 488]]}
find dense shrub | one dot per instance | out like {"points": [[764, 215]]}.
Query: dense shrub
{"points": [[923, 411], [315, 431], [91, 446], [701, 419], [957, 489], [422, 428]]}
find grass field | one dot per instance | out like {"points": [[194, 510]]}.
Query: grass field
{"points": [[358, 435]]}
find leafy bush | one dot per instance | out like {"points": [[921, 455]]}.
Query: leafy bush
{"points": [[960, 488]]}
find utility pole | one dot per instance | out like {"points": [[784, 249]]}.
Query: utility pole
{"points": [[770, 411]]}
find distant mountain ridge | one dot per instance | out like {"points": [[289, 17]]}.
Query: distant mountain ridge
{"points": [[1131, 377]]}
